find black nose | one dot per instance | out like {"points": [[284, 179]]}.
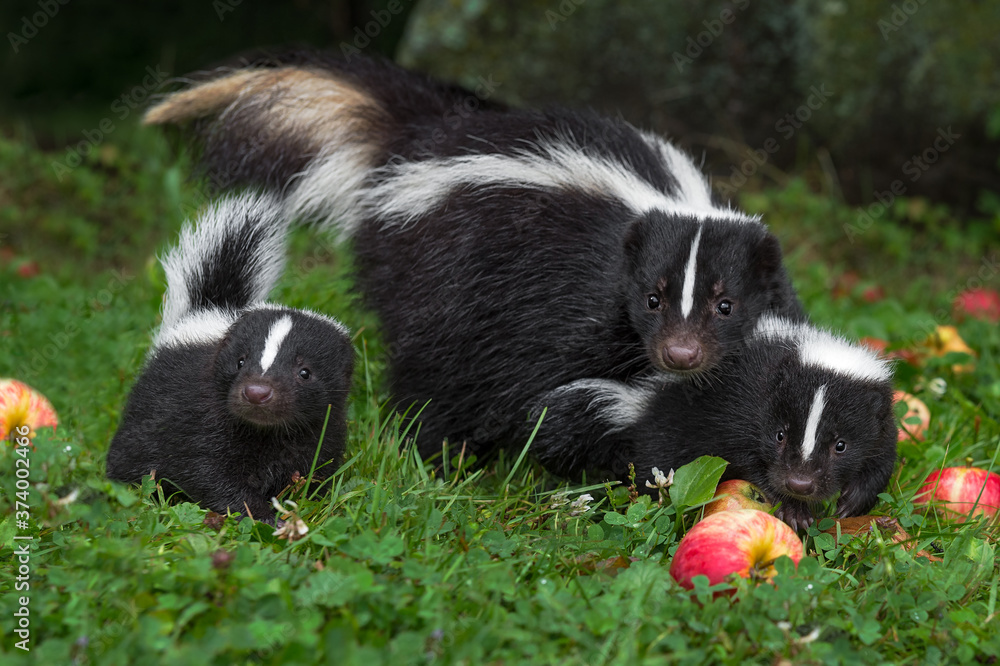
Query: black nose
{"points": [[257, 394], [685, 356], [799, 485]]}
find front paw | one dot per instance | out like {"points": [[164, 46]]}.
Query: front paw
{"points": [[795, 514]]}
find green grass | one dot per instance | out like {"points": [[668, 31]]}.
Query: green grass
{"points": [[403, 565]]}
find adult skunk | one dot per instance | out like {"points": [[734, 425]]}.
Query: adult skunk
{"points": [[507, 252], [800, 413], [234, 395]]}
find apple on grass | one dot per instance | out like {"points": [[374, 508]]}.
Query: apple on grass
{"points": [[23, 410], [745, 542], [915, 407], [958, 489], [979, 304], [736, 494]]}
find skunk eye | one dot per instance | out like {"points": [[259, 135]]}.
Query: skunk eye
{"points": [[841, 446], [240, 363], [653, 302], [779, 437], [724, 308], [304, 373]]}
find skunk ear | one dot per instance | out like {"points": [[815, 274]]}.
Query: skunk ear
{"points": [[765, 258], [635, 239]]}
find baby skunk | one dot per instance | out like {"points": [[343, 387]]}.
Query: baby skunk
{"points": [[234, 394], [507, 252], [800, 413]]}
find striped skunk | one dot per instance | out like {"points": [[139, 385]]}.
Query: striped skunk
{"points": [[234, 394], [799, 412], [506, 252]]}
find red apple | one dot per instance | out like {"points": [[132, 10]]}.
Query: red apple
{"points": [[958, 489], [876, 344], [745, 542], [28, 269], [979, 304], [21, 405], [914, 407], [737, 494], [873, 294]]}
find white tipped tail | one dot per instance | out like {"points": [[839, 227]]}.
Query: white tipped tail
{"points": [[228, 260]]}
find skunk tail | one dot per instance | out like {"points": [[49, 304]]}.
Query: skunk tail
{"points": [[327, 119], [229, 260]]}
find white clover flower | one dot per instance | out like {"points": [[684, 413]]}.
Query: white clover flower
{"points": [[580, 505], [293, 527], [660, 481], [937, 386], [559, 499], [69, 499]]}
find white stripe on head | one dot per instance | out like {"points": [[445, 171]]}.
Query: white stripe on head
{"points": [[687, 293], [823, 350], [812, 423], [279, 331], [272, 307]]}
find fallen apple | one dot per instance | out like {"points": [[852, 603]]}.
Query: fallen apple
{"points": [[736, 494], [745, 542], [944, 340], [21, 405], [958, 489], [979, 304], [888, 526], [876, 344], [915, 407]]}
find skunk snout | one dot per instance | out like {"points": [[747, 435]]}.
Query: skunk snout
{"points": [[683, 354], [260, 401], [257, 394], [801, 486]]}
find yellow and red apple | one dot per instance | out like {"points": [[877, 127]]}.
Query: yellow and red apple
{"points": [[21, 405], [736, 494], [946, 339], [957, 490], [745, 542], [915, 407]]}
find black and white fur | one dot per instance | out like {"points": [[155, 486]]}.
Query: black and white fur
{"points": [[507, 252], [234, 394], [800, 413]]}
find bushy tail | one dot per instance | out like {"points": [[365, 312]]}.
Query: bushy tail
{"points": [[335, 119], [229, 259]]}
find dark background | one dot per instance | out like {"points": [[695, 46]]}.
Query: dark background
{"points": [[719, 77]]}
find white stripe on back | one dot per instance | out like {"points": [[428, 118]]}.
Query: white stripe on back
{"points": [[812, 423], [279, 331], [687, 294]]}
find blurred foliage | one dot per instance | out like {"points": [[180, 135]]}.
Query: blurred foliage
{"points": [[726, 76], [68, 60]]}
